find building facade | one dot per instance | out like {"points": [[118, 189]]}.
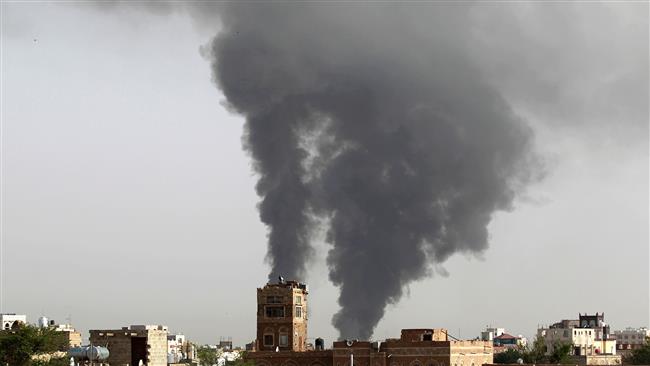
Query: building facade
{"points": [[282, 317], [70, 334], [630, 339], [282, 310], [12, 321], [588, 336], [130, 345], [501, 340]]}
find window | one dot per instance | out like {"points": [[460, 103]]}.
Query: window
{"points": [[284, 339], [274, 299], [298, 300], [268, 339], [298, 312], [275, 311]]}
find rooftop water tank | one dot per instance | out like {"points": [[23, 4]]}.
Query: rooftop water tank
{"points": [[42, 322]]}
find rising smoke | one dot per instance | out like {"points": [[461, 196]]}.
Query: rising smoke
{"points": [[376, 120]]}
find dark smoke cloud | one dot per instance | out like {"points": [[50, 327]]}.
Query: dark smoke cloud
{"points": [[376, 119], [391, 122]]}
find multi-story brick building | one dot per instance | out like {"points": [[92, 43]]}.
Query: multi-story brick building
{"points": [[282, 317], [130, 345], [282, 334]]}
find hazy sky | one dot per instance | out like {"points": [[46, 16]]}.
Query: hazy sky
{"points": [[127, 197]]}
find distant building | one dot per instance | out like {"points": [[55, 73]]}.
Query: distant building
{"points": [[282, 334], [490, 333], [179, 349], [588, 336], [72, 337], [501, 340], [130, 345], [225, 344], [228, 356], [12, 320], [509, 341], [630, 339]]}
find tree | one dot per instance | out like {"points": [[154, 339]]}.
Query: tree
{"points": [[18, 346], [509, 356], [537, 353], [561, 353], [640, 356], [207, 356]]}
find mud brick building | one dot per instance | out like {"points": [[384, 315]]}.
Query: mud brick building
{"points": [[129, 345], [282, 317], [282, 333]]}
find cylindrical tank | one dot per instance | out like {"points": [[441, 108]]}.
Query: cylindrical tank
{"points": [[319, 344], [42, 322], [93, 353]]}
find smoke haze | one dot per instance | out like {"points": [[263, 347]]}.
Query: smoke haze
{"points": [[376, 120]]}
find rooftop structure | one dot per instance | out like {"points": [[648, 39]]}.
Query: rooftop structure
{"points": [[282, 334], [134, 344], [12, 320]]}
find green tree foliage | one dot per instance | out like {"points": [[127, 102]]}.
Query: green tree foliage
{"points": [[537, 352], [207, 356], [509, 356], [18, 346], [561, 353], [61, 361], [640, 356]]}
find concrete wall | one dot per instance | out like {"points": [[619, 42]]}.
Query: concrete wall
{"points": [[119, 344], [471, 353]]}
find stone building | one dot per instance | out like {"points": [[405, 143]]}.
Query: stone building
{"points": [[588, 336], [12, 321], [282, 317], [630, 339], [72, 337], [282, 334], [129, 345]]}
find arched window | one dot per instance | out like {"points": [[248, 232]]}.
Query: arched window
{"points": [[283, 339], [269, 337]]}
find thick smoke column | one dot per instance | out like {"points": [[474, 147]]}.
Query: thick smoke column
{"points": [[375, 119]]}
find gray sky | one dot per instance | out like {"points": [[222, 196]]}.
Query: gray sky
{"points": [[128, 199]]}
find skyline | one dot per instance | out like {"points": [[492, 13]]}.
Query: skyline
{"points": [[141, 185]]}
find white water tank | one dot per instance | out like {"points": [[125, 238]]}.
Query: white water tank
{"points": [[42, 322]]}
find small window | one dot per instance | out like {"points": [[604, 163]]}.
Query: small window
{"points": [[275, 311], [299, 300], [268, 339], [298, 312], [284, 340], [274, 299]]}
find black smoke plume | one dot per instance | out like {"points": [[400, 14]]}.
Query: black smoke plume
{"points": [[375, 119]]}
